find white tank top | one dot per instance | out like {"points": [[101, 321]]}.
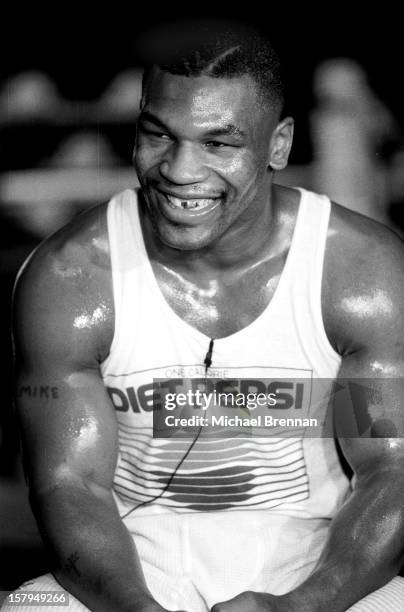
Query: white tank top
{"points": [[292, 476]]}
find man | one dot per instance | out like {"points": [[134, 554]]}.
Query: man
{"points": [[212, 270]]}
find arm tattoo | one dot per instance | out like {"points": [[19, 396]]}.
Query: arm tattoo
{"points": [[38, 391], [70, 565]]}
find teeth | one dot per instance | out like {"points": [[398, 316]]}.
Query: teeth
{"points": [[187, 204]]}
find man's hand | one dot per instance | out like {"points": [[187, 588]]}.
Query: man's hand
{"points": [[254, 602], [155, 607]]}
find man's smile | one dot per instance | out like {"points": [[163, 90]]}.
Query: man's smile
{"points": [[186, 208], [189, 205]]}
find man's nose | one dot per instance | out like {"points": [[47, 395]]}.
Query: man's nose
{"points": [[183, 165]]}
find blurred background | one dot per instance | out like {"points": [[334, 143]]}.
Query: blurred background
{"points": [[69, 97]]}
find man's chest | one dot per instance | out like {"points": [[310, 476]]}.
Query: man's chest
{"points": [[222, 305]]}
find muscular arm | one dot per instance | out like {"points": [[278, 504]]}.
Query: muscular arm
{"points": [[365, 319], [62, 329]]}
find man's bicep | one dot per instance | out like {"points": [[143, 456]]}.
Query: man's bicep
{"points": [[67, 420], [364, 316], [368, 408], [68, 427]]}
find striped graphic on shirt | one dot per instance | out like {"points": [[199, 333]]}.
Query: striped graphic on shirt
{"points": [[216, 474]]}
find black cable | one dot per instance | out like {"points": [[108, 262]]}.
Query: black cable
{"points": [[208, 358]]}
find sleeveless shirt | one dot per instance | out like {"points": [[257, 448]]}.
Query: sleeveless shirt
{"points": [[290, 475]]}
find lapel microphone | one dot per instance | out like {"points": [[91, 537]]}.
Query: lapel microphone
{"points": [[208, 356]]}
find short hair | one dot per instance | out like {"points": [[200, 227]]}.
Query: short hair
{"points": [[219, 49]]}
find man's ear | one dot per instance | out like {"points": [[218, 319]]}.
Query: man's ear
{"points": [[281, 143]]}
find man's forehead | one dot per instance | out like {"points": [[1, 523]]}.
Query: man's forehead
{"points": [[203, 93]]}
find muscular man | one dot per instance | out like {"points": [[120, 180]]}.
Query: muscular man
{"points": [[213, 270]]}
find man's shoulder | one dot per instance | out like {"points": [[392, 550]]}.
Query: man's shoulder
{"points": [[77, 248], [361, 245], [65, 287], [363, 278], [80, 245]]}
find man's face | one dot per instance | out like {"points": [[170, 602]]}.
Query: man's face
{"points": [[202, 154]]}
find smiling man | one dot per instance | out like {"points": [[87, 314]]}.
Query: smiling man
{"points": [[212, 271]]}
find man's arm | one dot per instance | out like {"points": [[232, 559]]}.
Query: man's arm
{"points": [[364, 318], [62, 328]]}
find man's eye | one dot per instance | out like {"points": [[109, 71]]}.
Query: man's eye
{"points": [[160, 135], [216, 144], [154, 134]]}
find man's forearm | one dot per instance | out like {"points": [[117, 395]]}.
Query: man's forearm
{"points": [[95, 557], [364, 549]]}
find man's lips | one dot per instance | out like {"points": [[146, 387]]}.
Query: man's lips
{"points": [[187, 207], [190, 201]]}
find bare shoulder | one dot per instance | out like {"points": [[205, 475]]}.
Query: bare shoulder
{"points": [[63, 296], [363, 281]]}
